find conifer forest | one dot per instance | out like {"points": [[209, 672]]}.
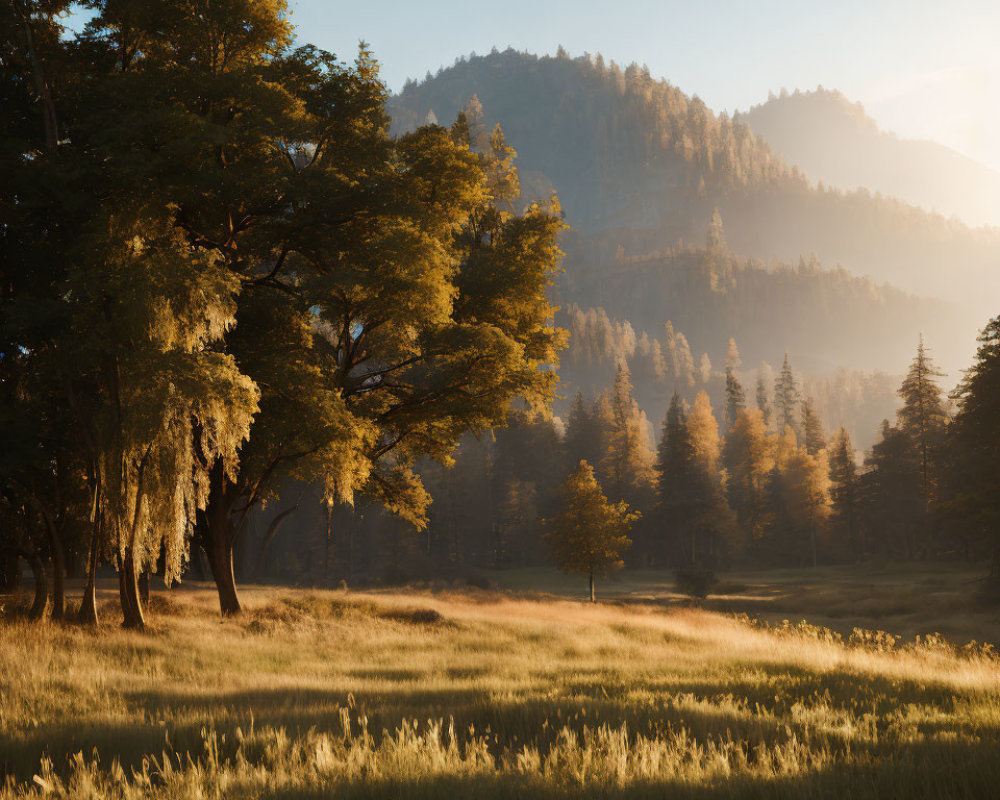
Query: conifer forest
{"points": [[526, 429]]}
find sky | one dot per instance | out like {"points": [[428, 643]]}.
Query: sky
{"points": [[924, 70]]}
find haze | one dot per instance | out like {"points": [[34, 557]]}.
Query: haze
{"points": [[921, 71]]}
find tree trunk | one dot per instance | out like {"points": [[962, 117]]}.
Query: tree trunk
{"points": [[329, 534], [41, 586], [41, 85], [217, 537], [219, 549], [88, 605], [132, 614], [593, 594], [58, 570], [144, 588]]}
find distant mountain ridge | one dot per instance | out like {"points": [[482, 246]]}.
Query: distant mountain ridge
{"points": [[638, 163], [834, 140]]}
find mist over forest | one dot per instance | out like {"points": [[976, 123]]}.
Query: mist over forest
{"points": [[698, 251]]}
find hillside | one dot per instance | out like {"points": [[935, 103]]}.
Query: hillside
{"points": [[826, 317], [626, 151], [835, 141]]}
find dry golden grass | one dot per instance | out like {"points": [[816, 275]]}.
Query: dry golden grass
{"points": [[378, 694]]}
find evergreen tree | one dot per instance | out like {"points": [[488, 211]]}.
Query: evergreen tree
{"points": [[845, 494], [627, 462], [807, 483], [763, 401], [712, 517], [812, 428], [892, 493], [735, 400], [786, 398], [589, 535], [923, 418], [716, 239], [677, 477], [684, 364], [975, 462], [748, 456], [733, 359], [583, 438]]}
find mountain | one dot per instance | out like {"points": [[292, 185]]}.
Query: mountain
{"points": [[833, 140], [630, 153], [827, 318]]}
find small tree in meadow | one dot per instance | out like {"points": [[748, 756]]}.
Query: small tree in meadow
{"points": [[589, 535]]}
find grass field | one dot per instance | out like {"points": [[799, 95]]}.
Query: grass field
{"points": [[497, 694]]}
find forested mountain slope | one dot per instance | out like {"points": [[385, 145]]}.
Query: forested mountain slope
{"points": [[626, 151], [826, 317], [833, 140]]}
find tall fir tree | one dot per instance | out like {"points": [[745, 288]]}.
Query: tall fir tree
{"points": [[735, 399], [763, 401], [894, 509], [786, 398], [974, 473], [748, 455], [583, 439], [676, 478], [845, 495], [923, 418], [711, 521], [812, 428], [627, 461]]}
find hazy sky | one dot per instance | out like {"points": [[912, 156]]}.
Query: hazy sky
{"points": [[922, 69]]}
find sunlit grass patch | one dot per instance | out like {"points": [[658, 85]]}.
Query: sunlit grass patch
{"points": [[435, 694]]}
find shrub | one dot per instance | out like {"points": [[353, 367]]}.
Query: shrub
{"points": [[695, 583]]}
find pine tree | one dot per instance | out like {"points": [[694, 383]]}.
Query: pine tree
{"points": [[923, 419], [786, 398], [807, 485], [627, 462], [684, 370], [705, 368], [893, 498], [748, 456], [845, 493], [712, 519], [812, 428], [676, 477], [582, 440], [733, 359], [716, 240], [589, 535], [735, 400], [975, 463], [763, 401]]}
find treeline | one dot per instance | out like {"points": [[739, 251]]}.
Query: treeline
{"points": [[220, 275], [757, 480], [665, 364]]}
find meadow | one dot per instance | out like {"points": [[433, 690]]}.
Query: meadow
{"points": [[440, 692]]}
